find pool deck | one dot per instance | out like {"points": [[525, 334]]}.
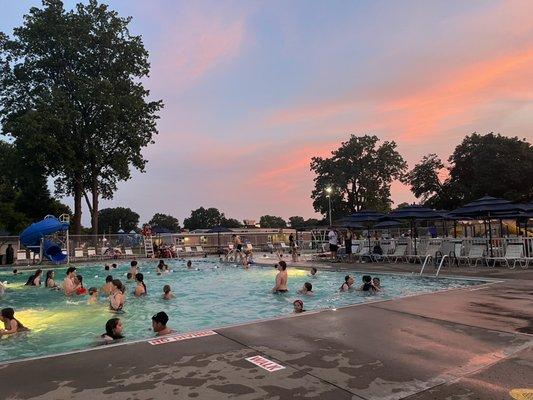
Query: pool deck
{"points": [[469, 343]]}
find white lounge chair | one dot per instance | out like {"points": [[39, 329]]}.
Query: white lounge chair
{"points": [[398, 254], [78, 253], [284, 246], [128, 251], [514, 252], [200, 250], [22, 255], [91, 252], [188, 250], [476, 254]]}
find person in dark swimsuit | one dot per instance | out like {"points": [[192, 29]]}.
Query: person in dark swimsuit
{"points": [[367, 284], [281, 278], [113, 330]]}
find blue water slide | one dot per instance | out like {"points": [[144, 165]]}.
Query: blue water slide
{"points": [[32, 235]]}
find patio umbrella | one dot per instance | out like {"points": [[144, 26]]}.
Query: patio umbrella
{"points": [[365, 217], [414, 213], [218, 230], [487, 208]]}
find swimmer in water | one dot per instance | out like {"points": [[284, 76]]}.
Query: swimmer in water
{"points": [[93, 296], [167, 293], [140, 289], [189, 264], [117, 299], [347, 285], [113, 330], [298, 306], [70, 283], [313, 272], [108, 286], [281, 278], [307, 289], [159, 324], [35, 279], [376, 282], [134, 269], [49, 281], [367, 284], [11, 324], [80, 290]]}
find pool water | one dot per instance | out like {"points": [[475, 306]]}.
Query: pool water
{"points": [[210, 295]]}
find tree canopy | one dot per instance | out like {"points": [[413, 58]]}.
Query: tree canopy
{"points": [[205, 218], [24, 194], [113, 219], [359, 174], [480, 165], [271, 221], [165, 221], [72, 96]]}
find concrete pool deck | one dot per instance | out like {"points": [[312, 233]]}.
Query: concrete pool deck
{"points": [[459, 344]]}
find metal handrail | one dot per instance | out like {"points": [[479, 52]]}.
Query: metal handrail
{"points": [[424, 265], [440, 264]]}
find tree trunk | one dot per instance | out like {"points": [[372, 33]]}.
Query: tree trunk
{"points": [[76, 220], [94, 210]]}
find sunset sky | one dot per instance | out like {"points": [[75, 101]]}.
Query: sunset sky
{"points": [[253, 90]]}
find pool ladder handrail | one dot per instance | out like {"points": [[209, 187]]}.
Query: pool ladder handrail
{"points": [[440, 264], [424, 264]]}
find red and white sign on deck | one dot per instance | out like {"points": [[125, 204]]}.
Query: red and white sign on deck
{"points": [[265, 363], [177, 338]]}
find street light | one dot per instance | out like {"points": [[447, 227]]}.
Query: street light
{"points": [[329, 189]]}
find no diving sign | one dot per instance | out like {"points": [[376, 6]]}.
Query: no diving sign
{"points": [[265, 363], [185, 336]]}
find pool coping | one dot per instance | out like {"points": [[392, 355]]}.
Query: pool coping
{"points": [[484, 282]]}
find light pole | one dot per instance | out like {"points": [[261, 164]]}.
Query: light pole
{"points": [[328, 191]]}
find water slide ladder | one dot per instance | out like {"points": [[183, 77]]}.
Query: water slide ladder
{"points": [[148, 246]]}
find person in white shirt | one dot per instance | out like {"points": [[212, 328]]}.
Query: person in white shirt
{"points": [[333, 243]]}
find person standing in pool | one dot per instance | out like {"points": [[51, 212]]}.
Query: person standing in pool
{"points": [[189, 264], [140, 289], [348, 283], [167, 293], [11, 324], [117, 299], [50, 282], [113, 330], [134, 269], [307, 289], [159, 324], [69, 284], [281, 278], [35, 279], [108, 285]]}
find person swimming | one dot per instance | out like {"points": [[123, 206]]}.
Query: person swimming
{"points": [[159, 324], [80, 290], [113, 330], [347, 285], [376, 283], [189, 264], [313, 272], [106, 267], [93, 295], [307, 289], [35, 279], [140, 289], [108, 285], [49, 281], [281, 278], [11, 324], [367, 283], [70, 283], [167, 293], [134, 269], [117, 299], [298, 306], [161, 267]]}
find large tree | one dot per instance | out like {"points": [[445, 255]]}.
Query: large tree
{"points": [[359, 173], [482, 164], [72, 96], [271, 221], [113, 219], [24, 194], [165, 221]]}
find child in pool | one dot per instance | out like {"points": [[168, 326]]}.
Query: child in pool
{"points": [[167, 293], [93, 296], [11, 324]]}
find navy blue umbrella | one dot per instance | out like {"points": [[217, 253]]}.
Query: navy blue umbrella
{"points": [[365, 217], [487, 208], [413, 213]]}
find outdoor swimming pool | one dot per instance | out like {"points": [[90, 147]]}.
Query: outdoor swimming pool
{"points": [[209, 296]]}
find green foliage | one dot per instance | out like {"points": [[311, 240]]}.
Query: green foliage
{"points": [[360, 173], [113, 219], [296, 222], [481, 165], [165, 221], [24, 194], [271, 221], [72, 96], [205, 218], [402, 205]]}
